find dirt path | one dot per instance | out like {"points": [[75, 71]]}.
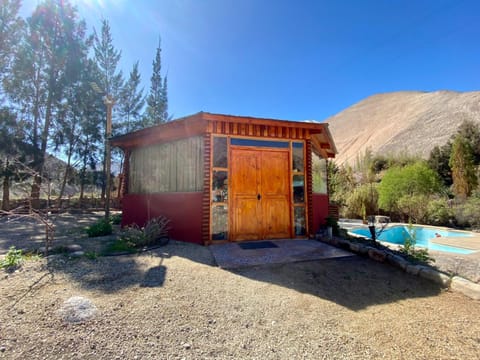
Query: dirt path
{"points": [[173, 303]]}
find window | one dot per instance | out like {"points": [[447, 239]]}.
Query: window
{"points": [[319, 174]]}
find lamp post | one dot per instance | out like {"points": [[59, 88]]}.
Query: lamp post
{"points": [[109, 101]]}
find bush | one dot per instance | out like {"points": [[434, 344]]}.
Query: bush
{"points": [[101, 228], [13, 259], [153, 233], [467, 214], [439, 212], [411, 251], [116, 219]]}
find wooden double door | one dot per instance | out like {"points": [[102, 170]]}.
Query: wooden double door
{"points": [[260, 193]]}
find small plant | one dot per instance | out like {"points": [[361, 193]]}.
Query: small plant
{"points": [[13, 259], [92, 255], [411, 251], [101, 228], [332, 222], [116, 219], [154, 232]]}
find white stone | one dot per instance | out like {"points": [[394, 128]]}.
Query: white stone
{"points": [[436, 276], [466, 287], [77, 309]]}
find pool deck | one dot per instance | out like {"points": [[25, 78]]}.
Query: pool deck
{"points": [[470, 243]]}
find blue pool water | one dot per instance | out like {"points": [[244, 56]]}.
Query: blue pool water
{"points": [[398, 233]]}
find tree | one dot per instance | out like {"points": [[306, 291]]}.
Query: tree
{"points": [[11, 28], [131, 102], [110, 81], [43, 67], [439, 161], [411, 181], [157, 100], [463, 168]]}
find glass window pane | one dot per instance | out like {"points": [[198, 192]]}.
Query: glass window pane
{"points": [[319, 174], [298, 189], [297, 156], [299, 214], [220, 152], [219, 186], [219, 223], [259, 143]]}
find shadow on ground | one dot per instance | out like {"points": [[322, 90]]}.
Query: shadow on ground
{"points": [[110, 274], [353, 282]]}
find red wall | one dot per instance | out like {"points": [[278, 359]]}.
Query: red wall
{"points": [[320, 210], [183, 209]]}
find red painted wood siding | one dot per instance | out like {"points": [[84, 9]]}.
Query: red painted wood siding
{"points": [[183, 209], [320, 210]]}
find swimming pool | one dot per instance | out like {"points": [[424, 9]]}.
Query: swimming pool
{"points": [[398, 233]]}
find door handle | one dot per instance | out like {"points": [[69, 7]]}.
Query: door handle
{"points": [[259, 197]]}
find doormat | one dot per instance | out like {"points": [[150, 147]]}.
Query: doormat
{"points": [[258, 245]]}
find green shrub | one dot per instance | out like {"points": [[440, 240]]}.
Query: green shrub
{"points": [[439, 212], [466, 214], [116, 219], [154, 230], [333, 223], [101, 228], [13, 259], [409, 249]]}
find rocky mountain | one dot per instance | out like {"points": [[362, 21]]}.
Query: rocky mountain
{"points": [[410, 122]]}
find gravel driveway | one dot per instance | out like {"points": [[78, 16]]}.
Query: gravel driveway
{"points": [[174, 303]]}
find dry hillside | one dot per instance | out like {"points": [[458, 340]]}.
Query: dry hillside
{"points": [[408, 121]]}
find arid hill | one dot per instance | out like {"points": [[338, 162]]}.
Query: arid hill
{"points": [[410, 122]]}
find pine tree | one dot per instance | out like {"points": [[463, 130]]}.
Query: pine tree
{"points": [[131, 102], [110, 81], [43, 67], [11, 29], [463, 168], [157, 100]]}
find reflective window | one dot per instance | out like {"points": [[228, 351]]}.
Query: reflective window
{"points": [[319, 174], [219, 186], [219, 223], [297, 156], [220, 158], [298, 189], [299, 214], [259, 143]]}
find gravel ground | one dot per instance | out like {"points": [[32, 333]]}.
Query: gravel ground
{"points": [[174, 303]]}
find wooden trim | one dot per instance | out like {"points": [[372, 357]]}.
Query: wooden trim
{"points": [[309, 185], [206, 201], [126, 173]]}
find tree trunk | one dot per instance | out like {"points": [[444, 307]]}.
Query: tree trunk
{"points": [[6, 193], [64, 181]]}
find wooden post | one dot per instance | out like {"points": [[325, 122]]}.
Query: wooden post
{"points": [[109, 102]]}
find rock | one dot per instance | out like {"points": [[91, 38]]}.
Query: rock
{"points": [[3, 349], [466, 287], [363, 250], [355, 247], [435, 276], [77, 254], [187, 346], [397, 261], [78, 309], [377, 255], [73, 248], [413, 269]]}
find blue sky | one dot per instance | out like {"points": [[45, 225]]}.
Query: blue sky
{"points": [[294, 60]]}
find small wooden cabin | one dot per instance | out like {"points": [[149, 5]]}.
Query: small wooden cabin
{"points": [[228, 178]]}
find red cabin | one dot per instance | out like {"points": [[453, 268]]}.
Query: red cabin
{"points": [[222, 178]]}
